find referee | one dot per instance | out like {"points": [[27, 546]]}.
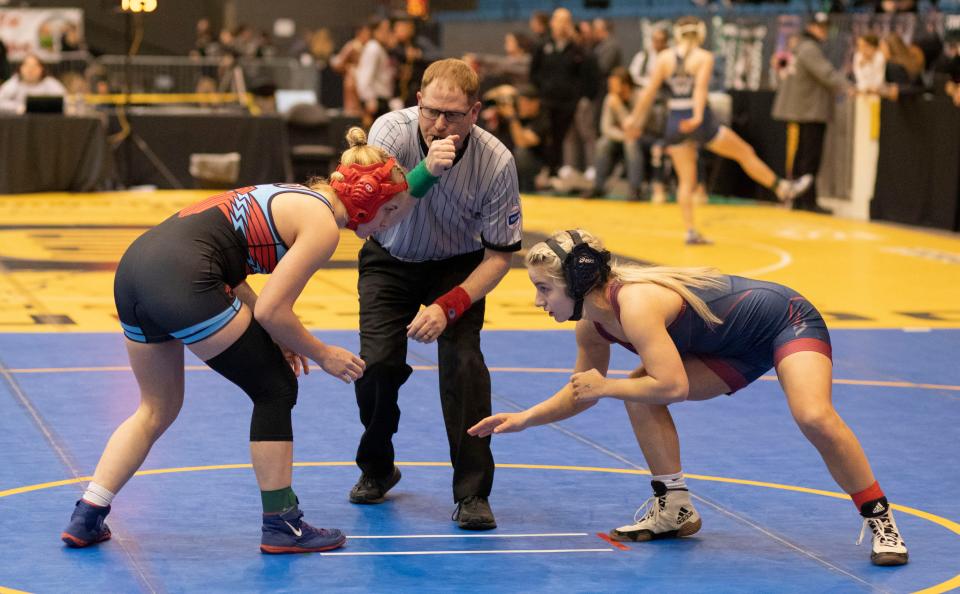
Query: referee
{"points": [[453, 249]]}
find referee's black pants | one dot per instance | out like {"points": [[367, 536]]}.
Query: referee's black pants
{"points": [[807, 159], [391, 293]]}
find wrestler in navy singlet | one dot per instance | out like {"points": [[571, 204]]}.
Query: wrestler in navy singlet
{"points": [[680, 86], [175, 280], [763, 322]]}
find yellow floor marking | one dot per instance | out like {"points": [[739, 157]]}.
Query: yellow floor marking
{"points": [[939, 520], [57, 253]]}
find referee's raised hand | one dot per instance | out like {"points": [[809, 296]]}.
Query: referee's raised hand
{"points": [[441, 155]]}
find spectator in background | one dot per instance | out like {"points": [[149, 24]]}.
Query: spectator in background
{"points": [[539, 24], [869, 65], [516, 65], [607, 48], [523, 128], [948, 65], [70, 38], [345, 63], [584, 35], [581, 139], [644, 61], [904, 67], [31, 79], [804, 100], [375, 73], [321, 47], [411, 53], [204, 38], [560, 70], [641, 69], [619, 101], [246, 41]]}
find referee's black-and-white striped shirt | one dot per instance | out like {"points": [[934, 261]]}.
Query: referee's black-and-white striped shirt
{"points": [[475, 205]]}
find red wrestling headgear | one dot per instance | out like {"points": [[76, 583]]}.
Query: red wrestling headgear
{"points": [[365, 188]]}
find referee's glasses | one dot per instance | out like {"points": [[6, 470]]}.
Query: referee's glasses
{"points": [[452, 117]]}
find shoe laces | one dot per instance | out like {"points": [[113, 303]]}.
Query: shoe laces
{"points": [[650, 508], [456, 512], [883, 528]]}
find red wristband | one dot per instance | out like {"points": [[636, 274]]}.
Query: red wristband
{"points": [[453, 303]]}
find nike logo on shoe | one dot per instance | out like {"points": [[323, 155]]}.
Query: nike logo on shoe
{"points": [[296, 531]]}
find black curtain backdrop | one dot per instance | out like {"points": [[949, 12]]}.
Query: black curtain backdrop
{"points": [[918, 170], [751, 119]]}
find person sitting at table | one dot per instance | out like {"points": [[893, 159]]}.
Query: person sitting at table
{"points": [[31, 79]]}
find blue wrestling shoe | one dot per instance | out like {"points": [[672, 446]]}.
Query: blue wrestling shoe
{"points": [[86, 526], [288, 533]]}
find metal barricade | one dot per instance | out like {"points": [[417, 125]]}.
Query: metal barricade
{"points": [[180, 74]]}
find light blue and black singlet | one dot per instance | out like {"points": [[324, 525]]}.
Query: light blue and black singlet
{"points": [[174, 281]]}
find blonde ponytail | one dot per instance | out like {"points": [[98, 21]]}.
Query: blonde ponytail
{"points": [[679, 280]]}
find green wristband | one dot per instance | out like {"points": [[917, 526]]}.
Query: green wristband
{"points": [[419, 180]]}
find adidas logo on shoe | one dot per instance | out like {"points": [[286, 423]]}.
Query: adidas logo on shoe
{"points": [[654, 520], [879, 508]]}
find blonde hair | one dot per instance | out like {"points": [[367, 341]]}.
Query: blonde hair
{"points": [[359, 153], [679, 280], [455, 73], [690, 28]]}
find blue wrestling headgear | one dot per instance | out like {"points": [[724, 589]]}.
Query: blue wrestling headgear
{"points": [[584, 269]]}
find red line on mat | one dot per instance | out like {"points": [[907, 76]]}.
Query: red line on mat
{"points": [[612, 542]]}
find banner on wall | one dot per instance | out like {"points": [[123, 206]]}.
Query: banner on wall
{"points": [[37, 30], [740, 53]]}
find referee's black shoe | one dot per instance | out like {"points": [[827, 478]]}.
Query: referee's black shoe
{"points": [[474, 513], [371, 490]]}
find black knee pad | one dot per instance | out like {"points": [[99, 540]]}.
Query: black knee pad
{"points": [[255, 363]]}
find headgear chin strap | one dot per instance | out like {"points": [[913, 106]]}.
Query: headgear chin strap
{"points": [[365, 188], [584, 269]]}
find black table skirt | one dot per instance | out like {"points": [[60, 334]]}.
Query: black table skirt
{"points": [[48, 153], [158, 150]]}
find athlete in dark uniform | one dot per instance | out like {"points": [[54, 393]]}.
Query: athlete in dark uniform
{"points": [[763, 322], [699, 334], [685, 72], [183, 283]]}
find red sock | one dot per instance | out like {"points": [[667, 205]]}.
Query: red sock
{"points": [[871, 493]]}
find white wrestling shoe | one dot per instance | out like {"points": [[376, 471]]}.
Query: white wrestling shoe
{"points": [[790, 189], [888, 546], [668, 514]]}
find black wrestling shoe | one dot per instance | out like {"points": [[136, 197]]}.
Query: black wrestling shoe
{"points": [[474, 513], [371, 490]]}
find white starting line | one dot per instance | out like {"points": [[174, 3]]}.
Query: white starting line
{"points": [[490, 552], [464, 552], [401, 536]]}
